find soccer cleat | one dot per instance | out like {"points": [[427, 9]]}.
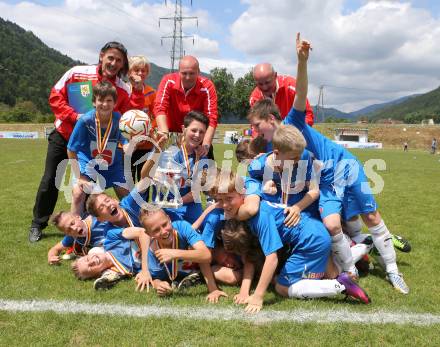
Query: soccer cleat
{"points": [[352, 288], [398, 282], [108, 279], [35, 234], [401, 243], [189, 281]]}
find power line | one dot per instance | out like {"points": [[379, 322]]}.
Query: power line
{"points": [[177, 51], [121, 10], [358, 89], [74, 16]]}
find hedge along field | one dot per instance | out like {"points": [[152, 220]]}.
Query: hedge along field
{"points": [[409, 206]]}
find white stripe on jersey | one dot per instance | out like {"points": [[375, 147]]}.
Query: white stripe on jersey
{"points": [[165, 90], [121, 84], [82, 71], [209, 99]]}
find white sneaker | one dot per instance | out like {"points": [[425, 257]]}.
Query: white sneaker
{"points": [[398, 282], [108, 279]]}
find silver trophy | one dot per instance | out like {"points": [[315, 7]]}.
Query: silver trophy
{"points": [[167, 179]]}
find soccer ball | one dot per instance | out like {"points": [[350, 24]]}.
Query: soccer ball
{"points": [[134, 123]]}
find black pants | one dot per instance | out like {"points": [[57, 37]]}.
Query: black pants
{"points": [[47, 194], [210, 154], [136, 169]]}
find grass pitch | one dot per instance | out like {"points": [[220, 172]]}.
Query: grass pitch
{"points": [[408, 204]]}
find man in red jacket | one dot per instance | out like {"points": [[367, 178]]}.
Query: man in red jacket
{"points": [[184, 91], [281, 89], [113, 64]]}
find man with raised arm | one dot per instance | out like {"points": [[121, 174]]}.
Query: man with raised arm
{"points": [[281, 89]]}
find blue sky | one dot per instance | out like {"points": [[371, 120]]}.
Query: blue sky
{"points": [[385, 49]]}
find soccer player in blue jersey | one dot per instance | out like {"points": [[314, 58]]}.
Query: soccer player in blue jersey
{"points": [[93, 147], [309, 245], [81, 234], [194, 129], [123, 254], [171, 242], [225, 267], [291, 181], [344, 189]]}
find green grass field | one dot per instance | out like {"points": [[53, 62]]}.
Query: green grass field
{"points": [[409, 206]]}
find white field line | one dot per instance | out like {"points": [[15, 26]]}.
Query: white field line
{"points": [[217, 314]]}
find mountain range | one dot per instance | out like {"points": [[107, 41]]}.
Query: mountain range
{"points": [[29, 69]]}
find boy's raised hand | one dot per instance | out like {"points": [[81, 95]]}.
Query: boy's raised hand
{"points": [[302, 48]]}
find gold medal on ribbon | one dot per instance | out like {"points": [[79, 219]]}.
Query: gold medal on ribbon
{"points": [[188, 181], [175, 262], [101, 142]]}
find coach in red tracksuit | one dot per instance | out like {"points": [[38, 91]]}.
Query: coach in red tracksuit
{"points": [[113, 63], [184, 91], [279, 88]]}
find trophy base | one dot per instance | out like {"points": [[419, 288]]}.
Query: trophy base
{"points": [[167, 204]]}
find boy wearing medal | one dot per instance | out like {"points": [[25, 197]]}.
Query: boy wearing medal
{"points": [[194, 129], [309, 244], [122, 257], [80, 234], [98, 163], [171, 242]]}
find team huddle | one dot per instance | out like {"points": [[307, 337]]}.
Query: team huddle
{"points": [[291, 216]]}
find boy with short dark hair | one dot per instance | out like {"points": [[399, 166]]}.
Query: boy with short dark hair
{"points": [[94, 147], [194, 129]]}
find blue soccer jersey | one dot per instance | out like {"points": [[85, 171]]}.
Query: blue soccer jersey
{"points": [[132, 204], [309, 242], [343, 183], [337, 160], [125, 253], [211, 227], [268, 225], [301, 175], [96, 233], [90, 147], [186, 237]]}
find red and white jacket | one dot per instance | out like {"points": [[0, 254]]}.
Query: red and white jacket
{"points": [[172, 100], [284, 95], [65, 115]]}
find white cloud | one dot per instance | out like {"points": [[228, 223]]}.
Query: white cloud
{"points": [[79, 28], [386, 48]]}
